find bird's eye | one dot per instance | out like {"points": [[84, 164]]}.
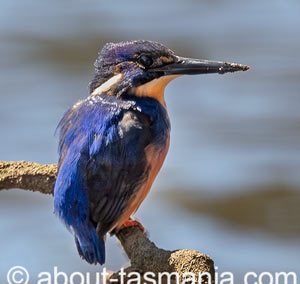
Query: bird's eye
{"points": [[145, 60]]}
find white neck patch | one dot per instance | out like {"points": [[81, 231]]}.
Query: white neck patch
{"points": [[106, 86]]}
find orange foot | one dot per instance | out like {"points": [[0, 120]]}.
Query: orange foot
{"points": [[130, 223]]}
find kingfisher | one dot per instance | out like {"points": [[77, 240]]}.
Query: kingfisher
{"points": [[113, 143]]}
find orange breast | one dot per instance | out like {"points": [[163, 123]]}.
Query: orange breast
{"points": [[155, 158]]}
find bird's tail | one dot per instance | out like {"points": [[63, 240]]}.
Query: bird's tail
{"points": [[90, 246], [71, 204]]}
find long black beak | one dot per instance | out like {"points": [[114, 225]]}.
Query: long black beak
{"points": [[189, 66]]}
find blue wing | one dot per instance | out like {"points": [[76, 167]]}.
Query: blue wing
{"points": [[102, 163]]}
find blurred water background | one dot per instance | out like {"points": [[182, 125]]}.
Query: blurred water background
{"points": [[230, 185]]}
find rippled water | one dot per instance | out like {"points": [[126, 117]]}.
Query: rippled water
{"points": [[233, 167]]}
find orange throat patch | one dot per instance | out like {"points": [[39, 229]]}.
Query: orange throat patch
{"points": [[154, 89]]}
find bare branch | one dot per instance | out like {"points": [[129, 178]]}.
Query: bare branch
{"points": [[143, 254], [28, 176]]}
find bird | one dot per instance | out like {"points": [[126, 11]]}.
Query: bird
{"points": [[112, 144]]}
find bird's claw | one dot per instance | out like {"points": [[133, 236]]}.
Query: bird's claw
{"points": [[130, 223]]}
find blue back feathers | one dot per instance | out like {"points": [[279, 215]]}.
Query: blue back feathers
{"points": [[102, 164]]}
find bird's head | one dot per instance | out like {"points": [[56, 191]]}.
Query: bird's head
{"points": [[144, 68]]}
